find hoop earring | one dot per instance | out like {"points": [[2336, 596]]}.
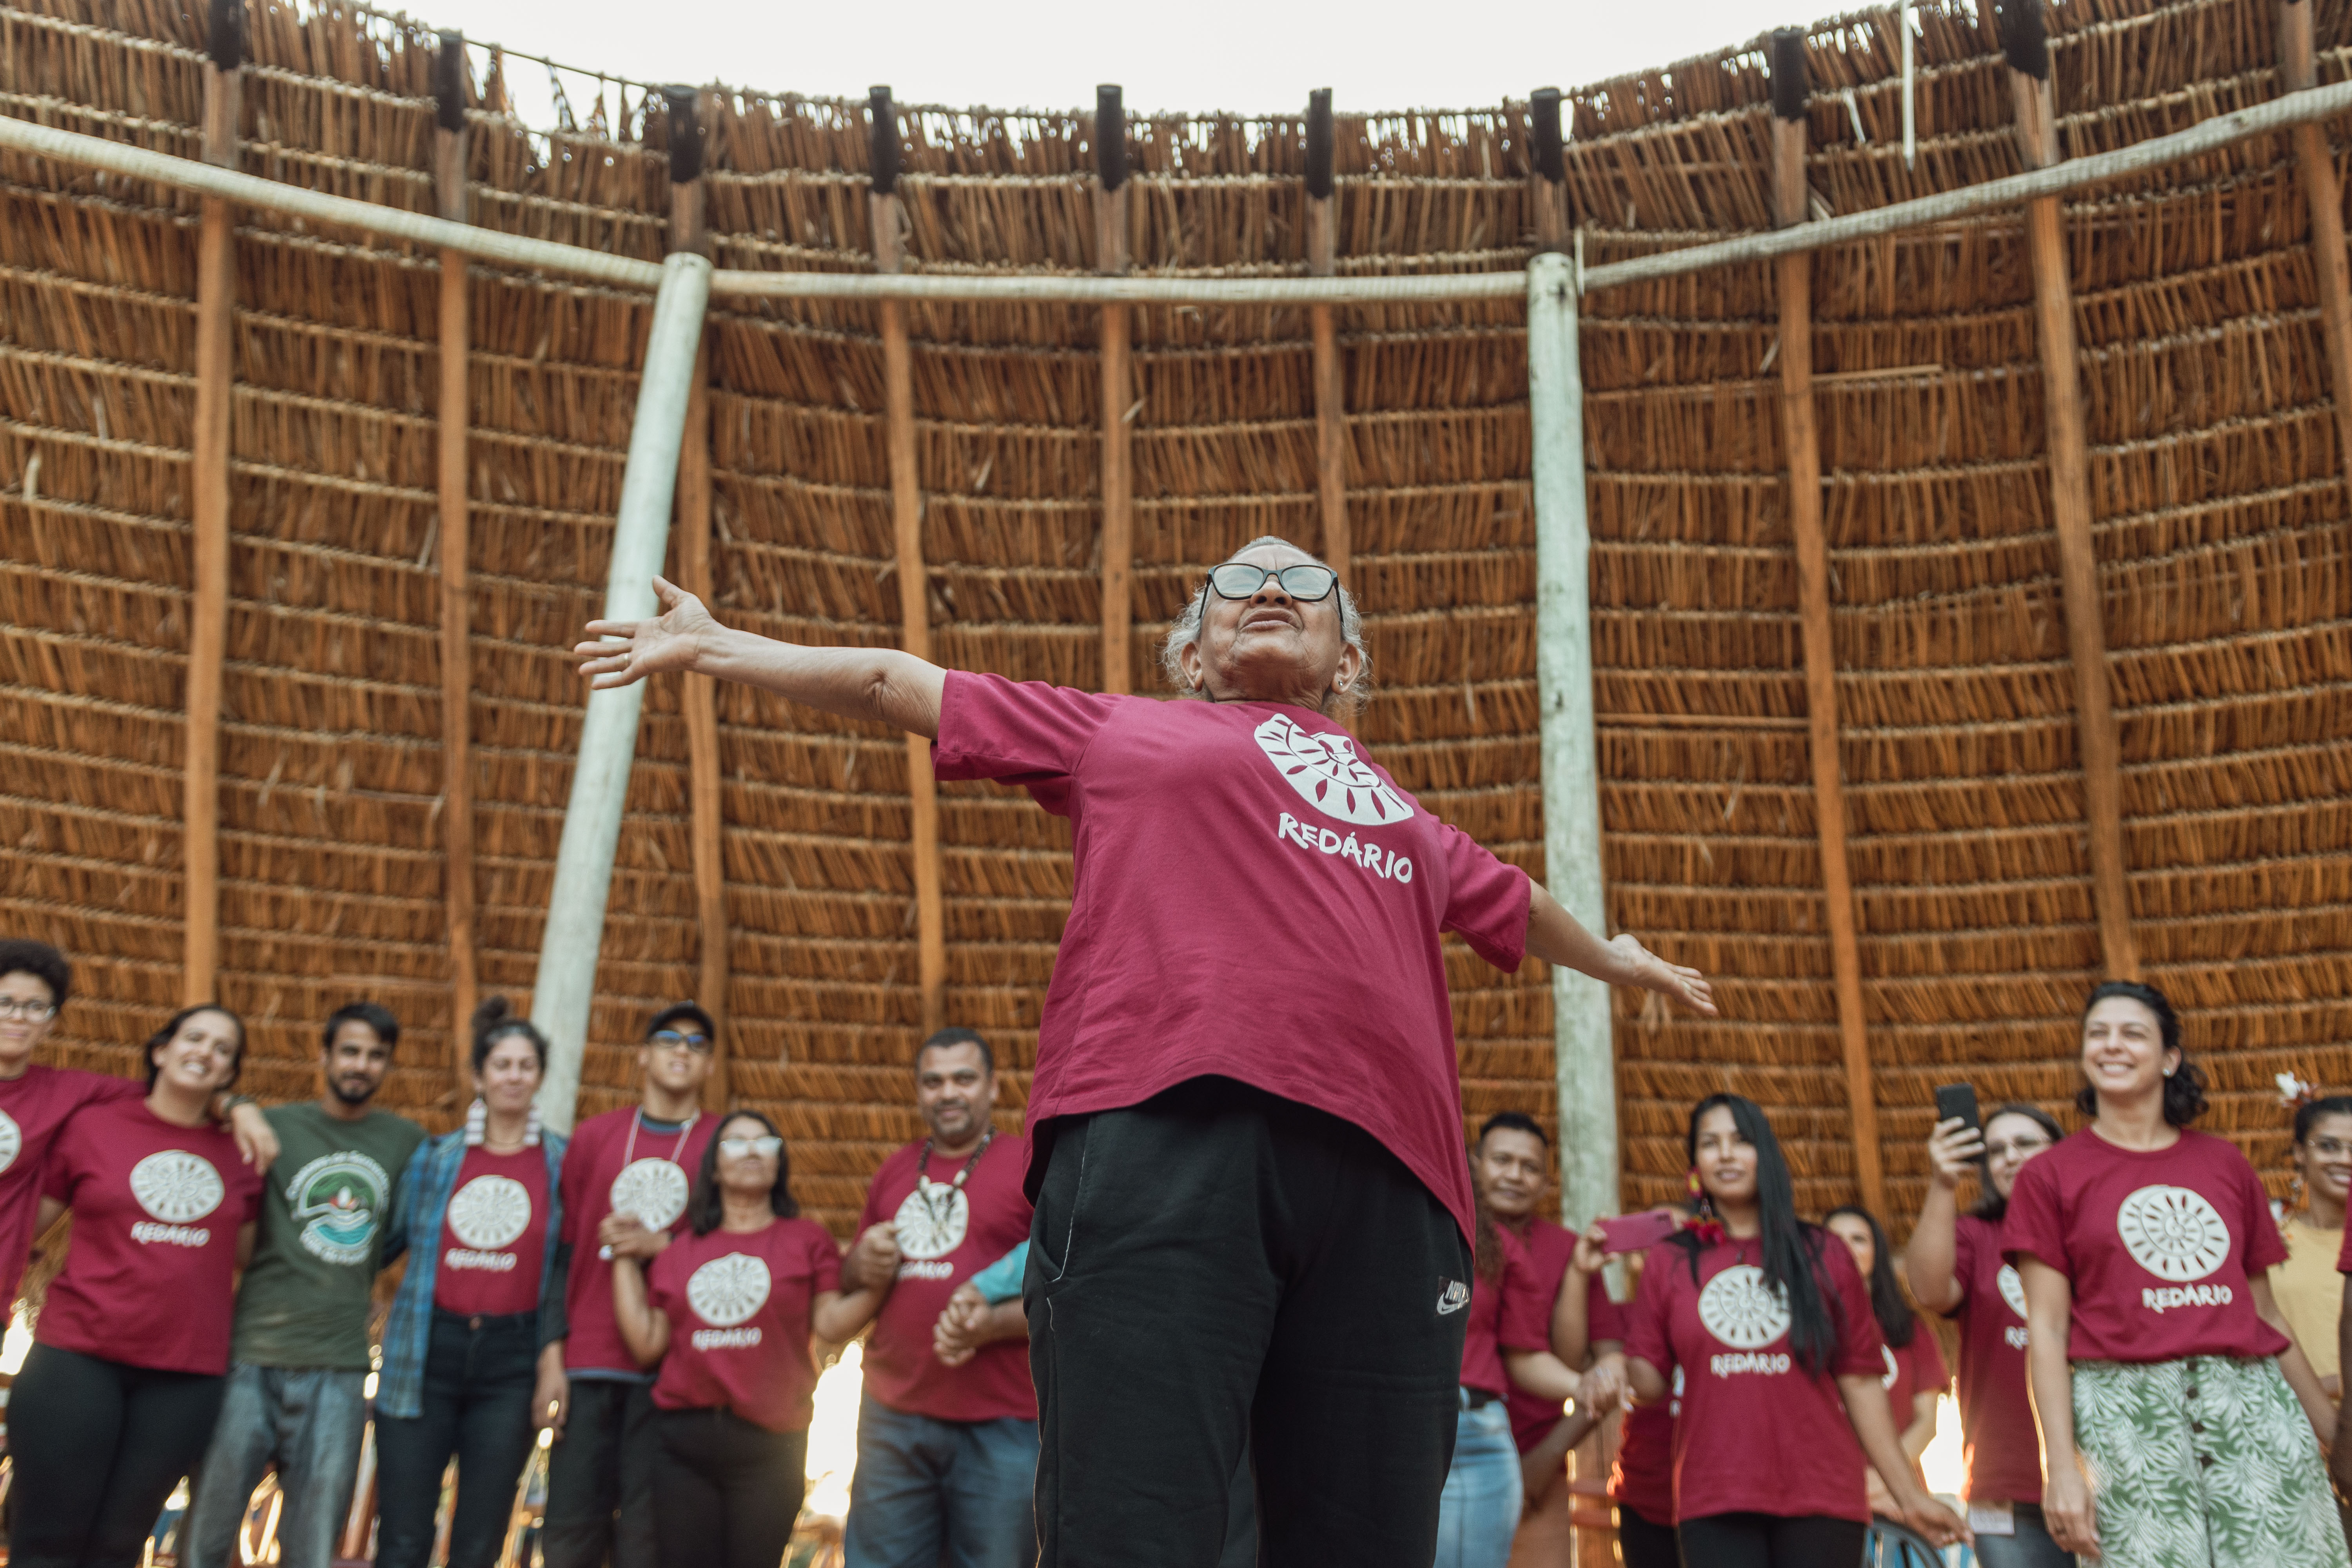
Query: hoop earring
{"points": [[478, 1118]]}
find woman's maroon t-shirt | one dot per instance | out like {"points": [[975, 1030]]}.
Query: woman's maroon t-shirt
{"points": [[33, 1105], [1914, 1369], [1294, 856], [1998, 1441], [494, 1236], [1549, 1249], [1758, 1433], [2157, 1246], [1643, 1477], [738, 1305], [149, 1276]]}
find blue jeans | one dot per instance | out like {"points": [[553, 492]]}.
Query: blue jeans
{"points": [[309, 1420], [941, 1494], [1478, 1512], [2031, 1547], [479, 1375]]}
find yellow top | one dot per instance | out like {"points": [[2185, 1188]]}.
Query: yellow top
{"points": [[2309, 1291]]}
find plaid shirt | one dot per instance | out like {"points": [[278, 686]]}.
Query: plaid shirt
{"points": [[431, 1177]]}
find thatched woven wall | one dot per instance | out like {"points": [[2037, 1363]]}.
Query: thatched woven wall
{"points": [[2215, 479]]}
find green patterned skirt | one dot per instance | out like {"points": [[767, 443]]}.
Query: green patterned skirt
{"points": [[2207, 1462]]}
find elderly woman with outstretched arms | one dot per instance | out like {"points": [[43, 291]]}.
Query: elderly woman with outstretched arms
{"points": [[1253, 1198]]}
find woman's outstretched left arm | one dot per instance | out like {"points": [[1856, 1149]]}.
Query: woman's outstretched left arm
{"points": [[1557, 936]]}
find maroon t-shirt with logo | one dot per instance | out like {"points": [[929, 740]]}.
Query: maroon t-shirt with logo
{"points": [[613, 1160], [150, 1275], [739, 1304], [33, 1107], [1914, 1369], [1758, 1434], [494, 1235], [1296, 857], [2159, 1246], [1549, 1249], [944, 1238], [1504, 1315], [1998, 1441]]}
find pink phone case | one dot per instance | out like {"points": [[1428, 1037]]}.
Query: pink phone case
{"points": [[1637, 1232]]}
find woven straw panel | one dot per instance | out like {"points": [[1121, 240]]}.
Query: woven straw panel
{"points": [[2215, 481]]}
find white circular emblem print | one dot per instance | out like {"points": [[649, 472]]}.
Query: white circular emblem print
{"points": [[1894, 1367], [933, 1221], [1740, 1310], [2173, 1233], [1328, 775], [727, 1291], [653, 1190], [176, 1186], [490, 1212], [12, 1140], [2012, 1290]]}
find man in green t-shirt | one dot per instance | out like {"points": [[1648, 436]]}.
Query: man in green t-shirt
{"points": [[299, 1365]]}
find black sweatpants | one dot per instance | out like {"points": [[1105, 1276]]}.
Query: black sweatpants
{"points": [[1644, 1543], [1770, 1540], [728, 1491], [98, 1447], [600, 1479], [1219, 1264]]}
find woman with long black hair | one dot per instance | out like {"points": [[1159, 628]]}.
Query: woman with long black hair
{"points": [[1956, 1267], [1916, 1375], [119, 1394], [1781, 1405], [2158, 1361], [727, 1310]]}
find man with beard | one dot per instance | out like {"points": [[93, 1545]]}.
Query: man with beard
{"points": [[947, 1456], [298, 1359]]}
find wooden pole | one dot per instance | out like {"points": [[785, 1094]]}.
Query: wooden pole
{"points": [[455, 550], [2027, 46], [2298, 70], [208, 609], [1330, 379], [698, 697], [1790, 200], [1118, 381], [914, 582]]}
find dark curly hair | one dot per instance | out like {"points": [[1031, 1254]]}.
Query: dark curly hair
{"points": [[22, 955], [2184, 1087]]}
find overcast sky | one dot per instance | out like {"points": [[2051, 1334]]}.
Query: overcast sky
{"points": [[1253, 55]]}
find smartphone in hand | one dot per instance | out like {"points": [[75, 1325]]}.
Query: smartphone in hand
{"points": [[1957, 1101], [1637, 1232]]}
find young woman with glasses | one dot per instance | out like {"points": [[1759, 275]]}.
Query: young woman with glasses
{"points": [[2158, 1361], [1248, 1050], [118, 1396], [1955, 1269], [727, 1311]]}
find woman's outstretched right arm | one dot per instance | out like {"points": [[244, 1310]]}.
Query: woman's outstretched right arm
{"points": [[881, 684]]}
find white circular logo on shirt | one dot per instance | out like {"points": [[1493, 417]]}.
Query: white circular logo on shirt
{"points": [[1739, 1310], [1328, 775], [653, 1190], [490, 1212], [2173, 1233], [933, 1221], [727, 1291], [12, 1140], [176, 1186], [1893, 1368], [2012, 1288]]}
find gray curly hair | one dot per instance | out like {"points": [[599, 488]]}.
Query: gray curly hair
{"points": [[1186, 631]]}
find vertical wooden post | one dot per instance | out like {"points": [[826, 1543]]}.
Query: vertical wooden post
{"points": [[914, 586], [209, 608], [1117, 382], [1790, 200], [1331, 380], [698, 697], [2026, 43], [2298, 70], [455, 550]]}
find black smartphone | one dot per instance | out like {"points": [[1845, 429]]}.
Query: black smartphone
{"points": [[1957, 1099]]}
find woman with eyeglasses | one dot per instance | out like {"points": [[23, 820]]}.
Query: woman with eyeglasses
{"points": [[2160, 1364], [1956, 1267], [1247, 1049], [117, 1395], [727, 1311]]}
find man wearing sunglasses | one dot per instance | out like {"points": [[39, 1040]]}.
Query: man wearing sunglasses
{"points": [[1254, 1204], [624, 1188]]}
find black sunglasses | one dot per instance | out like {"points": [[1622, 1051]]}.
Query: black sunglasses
{"points": [[671, 1039], [1239, 580]]}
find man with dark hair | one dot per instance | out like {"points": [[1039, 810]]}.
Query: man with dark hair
{"points": [[299, 1362], [626, 1176], [947, 1455]]}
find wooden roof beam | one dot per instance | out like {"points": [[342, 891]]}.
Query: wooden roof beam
{"points": [[914, 581], [2026, 43], [1119, 407], [1801, 439], [456, 548], [2316, 162], [1331, 380]]}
